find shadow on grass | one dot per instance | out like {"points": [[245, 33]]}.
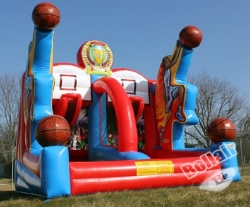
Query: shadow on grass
{"points": [[14, 196]]}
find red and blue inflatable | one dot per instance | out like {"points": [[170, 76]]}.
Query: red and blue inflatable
{"points": [[122, 135]]}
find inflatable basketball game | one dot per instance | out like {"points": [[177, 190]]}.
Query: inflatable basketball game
{"points": [[86, 127]]}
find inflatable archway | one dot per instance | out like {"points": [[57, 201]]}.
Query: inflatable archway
{"points": [[124, 134]]}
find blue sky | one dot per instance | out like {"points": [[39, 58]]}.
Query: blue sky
{"points": [[139, 33]]}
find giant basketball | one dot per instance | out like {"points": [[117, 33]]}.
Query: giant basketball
{"points": [[190, 36], [46, 16], [52, 130], [221, 129]]}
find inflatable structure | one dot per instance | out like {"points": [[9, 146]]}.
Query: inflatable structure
{"points": [[126, 131]]}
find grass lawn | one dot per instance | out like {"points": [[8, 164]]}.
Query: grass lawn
{"points": [[237, 194]]}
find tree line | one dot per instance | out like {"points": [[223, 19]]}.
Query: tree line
{"points": [[10, 92], [216, 98]]}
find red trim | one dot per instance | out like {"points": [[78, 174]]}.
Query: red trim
{"points": [[123, 175], [93, 185], [79, 55], [20, 143], [127, 132], [150, 125], [69, 107], [141, 105]]}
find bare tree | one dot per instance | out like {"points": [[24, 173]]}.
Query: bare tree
{"points": [[216, 98], [9, 108], [243, 137]]}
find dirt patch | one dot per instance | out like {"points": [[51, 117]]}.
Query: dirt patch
{"points": [[6, 185]]}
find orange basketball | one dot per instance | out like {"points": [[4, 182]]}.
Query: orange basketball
{"points": [[46, 15], [190, 36], [52, 130], [221, 129]]}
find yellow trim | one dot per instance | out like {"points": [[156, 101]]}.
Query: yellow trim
{"points": [[91, 71], [51, 55], [31, 55], [144, 168]]}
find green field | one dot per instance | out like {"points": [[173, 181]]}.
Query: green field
{"points": [[237, 194]]}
